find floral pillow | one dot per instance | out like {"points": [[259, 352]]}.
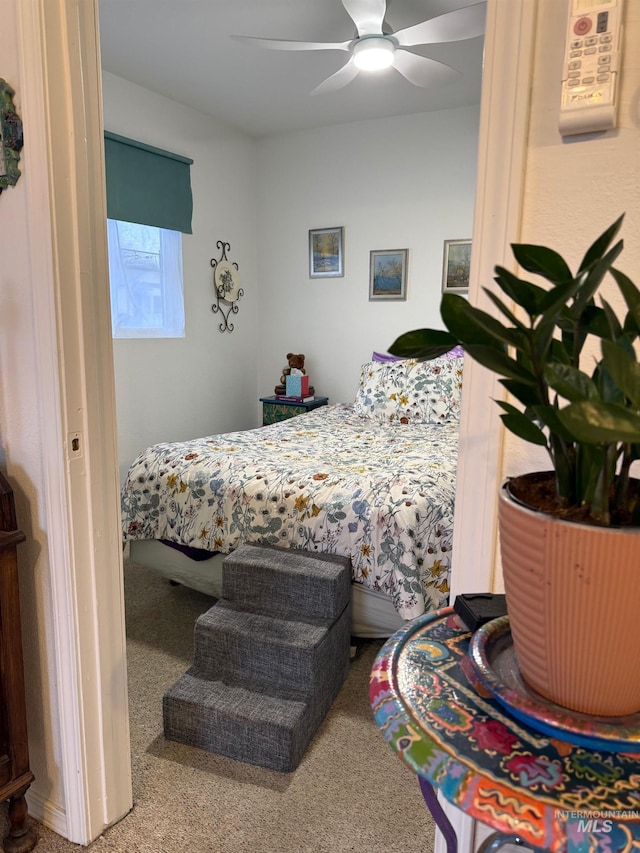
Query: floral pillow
{"points": [[411, 391]]}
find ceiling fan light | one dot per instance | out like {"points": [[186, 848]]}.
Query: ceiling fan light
{"points": [[374, 53]]}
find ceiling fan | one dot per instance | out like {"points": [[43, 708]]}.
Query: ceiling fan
{"points": [[376, 47]]}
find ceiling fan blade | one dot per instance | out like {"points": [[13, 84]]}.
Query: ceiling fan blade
{"points": [[288, 44], [462, 24], [338, 80], [422, 71], [367, 15]]}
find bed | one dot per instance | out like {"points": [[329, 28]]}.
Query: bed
{"points": [[373, 481]]}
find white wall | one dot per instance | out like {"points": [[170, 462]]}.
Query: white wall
{"points": [[404, 182], [175, 389], [576, 187]]}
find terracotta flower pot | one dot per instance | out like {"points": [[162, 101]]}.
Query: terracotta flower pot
{"points": [[573, 597]]}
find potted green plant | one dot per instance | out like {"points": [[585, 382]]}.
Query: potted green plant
{"points": [[569, 539]]}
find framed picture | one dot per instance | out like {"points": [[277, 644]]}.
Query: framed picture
{"points": [[456, 266], [388, 274], [326, 252]]}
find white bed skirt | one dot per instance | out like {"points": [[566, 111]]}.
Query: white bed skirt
{"points": [[373, 613]]}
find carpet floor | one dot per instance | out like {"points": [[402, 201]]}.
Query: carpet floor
{"points": [[350, 793]]}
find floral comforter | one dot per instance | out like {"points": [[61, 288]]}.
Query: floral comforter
{"points": [[327, 481]]}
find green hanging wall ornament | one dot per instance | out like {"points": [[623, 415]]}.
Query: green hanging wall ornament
{"points": [[10, 138]]}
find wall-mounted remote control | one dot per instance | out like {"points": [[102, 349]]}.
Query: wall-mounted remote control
{"points": [[591, 66]]}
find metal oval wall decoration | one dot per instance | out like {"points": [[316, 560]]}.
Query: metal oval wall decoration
{"points": [[10, 137]]}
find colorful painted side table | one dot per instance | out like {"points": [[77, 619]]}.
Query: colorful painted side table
{"points": [[532, 789]]}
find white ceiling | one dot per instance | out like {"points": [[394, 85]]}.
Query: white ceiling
{"points": [[182, 49]]}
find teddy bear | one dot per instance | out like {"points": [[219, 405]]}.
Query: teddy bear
{"points": [[295, 367]]}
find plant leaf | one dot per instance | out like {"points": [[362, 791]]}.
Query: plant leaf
{"points": [[591, 279], [623, 369], [543, 261], [548, 415], [570, 383], [557, 296], [525, 393], [595, 422], [612, 329], [630, 293], [608, 390], [524, 293], [470, 325], [505, 310], [499, 362], [541, 341], [424, 344], [599, 246], [558, 352], [630, 329], [519, 424], [555, 313]]}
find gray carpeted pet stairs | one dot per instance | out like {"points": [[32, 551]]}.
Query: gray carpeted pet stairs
{"points": [[269, 657]]}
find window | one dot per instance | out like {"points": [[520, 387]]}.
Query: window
{"points": [[145, 273], [150, 186]]}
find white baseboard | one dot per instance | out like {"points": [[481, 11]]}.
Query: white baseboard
{"points": [[50, 814]]}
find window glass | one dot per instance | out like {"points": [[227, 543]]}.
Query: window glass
{"points": [[145, 274]]}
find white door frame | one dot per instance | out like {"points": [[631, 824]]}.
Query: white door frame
{"points": [[504, 126], [63, 111], [64, 168], [502, 155]]}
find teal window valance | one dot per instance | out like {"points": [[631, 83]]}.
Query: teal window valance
{"points": [[147, 185]]}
